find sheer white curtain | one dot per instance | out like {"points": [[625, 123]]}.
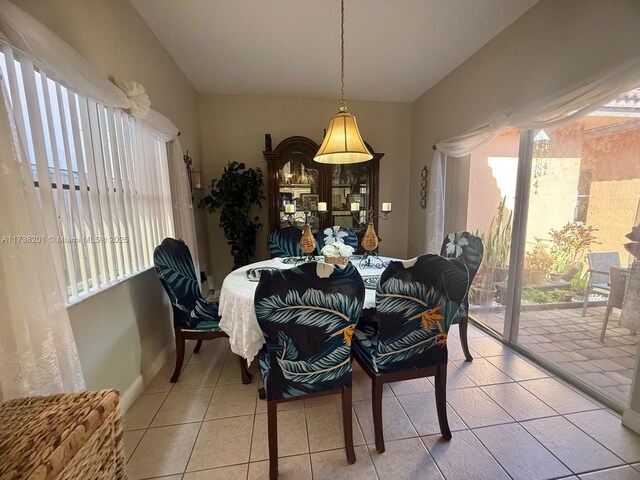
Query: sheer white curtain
{"points": [[434, 226], [38, 353], [568, 105]]}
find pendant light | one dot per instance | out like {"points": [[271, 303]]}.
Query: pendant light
{"points": [[342, 143]]}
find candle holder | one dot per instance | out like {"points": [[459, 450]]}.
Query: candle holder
{"points": [[370, 240]]}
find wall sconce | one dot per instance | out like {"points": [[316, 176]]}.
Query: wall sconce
{"points": [[195, 176]]}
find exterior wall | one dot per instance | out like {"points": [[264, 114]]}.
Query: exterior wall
{"points": [[124, 334], [233, 128]]}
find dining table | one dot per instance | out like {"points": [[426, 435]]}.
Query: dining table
{"points": [[238, 317]]}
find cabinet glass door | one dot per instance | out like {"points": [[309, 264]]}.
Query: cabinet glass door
{"points": [[299, 189], [350, 184]]}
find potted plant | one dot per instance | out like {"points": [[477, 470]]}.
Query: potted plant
{"points": [[538, 261], [497, 245], [579, 283], [569, 245], [237, 191]]}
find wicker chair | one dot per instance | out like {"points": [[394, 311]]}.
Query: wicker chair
{"points": [[308, 315], [194, 318], [468, 249], [416, 302]]}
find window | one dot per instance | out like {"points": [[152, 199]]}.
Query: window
{"points": [[101, 178]]}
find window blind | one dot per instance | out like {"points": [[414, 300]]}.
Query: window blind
{"points": [[101, 178]]}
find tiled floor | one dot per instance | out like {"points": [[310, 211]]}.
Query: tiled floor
{"points": [[572, 342], [509, 419]]}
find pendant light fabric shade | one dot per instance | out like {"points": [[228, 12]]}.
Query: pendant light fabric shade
{"points": [[343, 144]]}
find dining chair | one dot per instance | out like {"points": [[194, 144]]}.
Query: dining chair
{"points": [[467, 248], [194, 318], [308, 315], [618, 277], [285, 242], [416, 302], [336, 234], [599, 265]]}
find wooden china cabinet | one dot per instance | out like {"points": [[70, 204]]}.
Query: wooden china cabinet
{"points": [[294, 178]]}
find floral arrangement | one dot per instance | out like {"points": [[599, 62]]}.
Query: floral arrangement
{"points": [[337, 249]]}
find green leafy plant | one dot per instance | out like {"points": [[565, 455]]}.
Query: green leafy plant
{"points": [[497, 243], [579, 280], [534, 295], [234, 194], [569, 244], [539, 257]]}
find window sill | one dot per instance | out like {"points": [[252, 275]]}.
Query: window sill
{"points": [[75, 300]]}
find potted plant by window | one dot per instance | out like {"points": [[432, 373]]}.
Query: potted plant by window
{"points": [[237, 191], [497, 245], [537, 263], [569, 244]]}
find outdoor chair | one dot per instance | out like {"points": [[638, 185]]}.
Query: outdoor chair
{"points": [[599, 274], [416, 302], [194, 318], [468, 249], [618, 283], [308, 315]]}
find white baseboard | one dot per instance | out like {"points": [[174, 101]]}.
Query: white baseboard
{"points": [[631, 420], [129, 396]]}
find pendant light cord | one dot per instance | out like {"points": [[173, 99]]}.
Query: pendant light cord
{"points": [[342, 101]]}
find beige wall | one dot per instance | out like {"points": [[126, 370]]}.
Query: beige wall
{"points": [[122, 332], [553, 46], [233, 128]]}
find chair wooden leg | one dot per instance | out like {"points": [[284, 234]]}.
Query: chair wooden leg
{"points": [[441, 401], [607, 312], [244, 371], [347, 425], [464, 323], [376, 398], [272, 426], [198, 345], [179, 355]]}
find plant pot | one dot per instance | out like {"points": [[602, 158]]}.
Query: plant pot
{"points": [[496, 274], [539, 276], [556, 277], [569, 272]]}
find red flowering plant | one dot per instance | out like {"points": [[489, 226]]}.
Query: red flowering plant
{"points": [[570, 243]]}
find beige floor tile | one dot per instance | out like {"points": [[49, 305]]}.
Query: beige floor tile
{"points": [[572, 446], [395, 423], [558, 396], [404, 460], [407, 387], [455, 378], [141, 413], [361, 386], [519, 453], [487, 347], [609, 431], [222, 442], [464, 457], [292, 435], [131, 440], [289, 468], [212, 351], [619, 473], [321, 401], [160, 383], [422, 412], [261, 405], [482, 372], [517, 368], [518, 402], [230, 373], [476, 408], [333, 465], [234, 472], [233, 400], [163, 451], [167, 477], [324, 427], [183, 406], [198, 376]]}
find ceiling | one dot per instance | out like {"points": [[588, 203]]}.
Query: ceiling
{"points": [[395, 49]]}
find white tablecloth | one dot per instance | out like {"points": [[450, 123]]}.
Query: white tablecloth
{"points": [[236, 306]]}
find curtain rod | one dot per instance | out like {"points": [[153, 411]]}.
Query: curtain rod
{"points": [[434, 147]]}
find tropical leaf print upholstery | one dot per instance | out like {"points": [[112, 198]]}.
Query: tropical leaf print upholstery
{"points": [[416, 302], [176, 272], [469, 249], [336, 234], [308, 315], [285, 242]]}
